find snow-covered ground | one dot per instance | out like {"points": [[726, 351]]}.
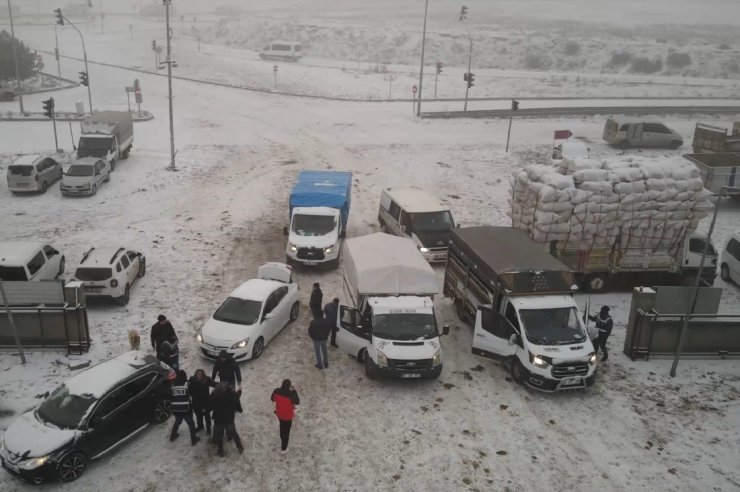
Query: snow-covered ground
{"points": [[208, 226]]}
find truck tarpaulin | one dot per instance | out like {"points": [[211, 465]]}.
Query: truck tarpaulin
{"points": [[323, 189]]}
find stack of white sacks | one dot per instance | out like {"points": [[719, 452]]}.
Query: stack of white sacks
{"points": [[587, 203]]}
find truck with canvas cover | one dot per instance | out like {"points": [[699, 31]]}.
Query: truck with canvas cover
{"points": [[319, 210], [520, 300], [108, 135], [390, 324], [630, 222]]}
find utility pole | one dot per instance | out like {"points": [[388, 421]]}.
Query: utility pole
{"points": [[15, 59], [102, 15], [463, 17], [61, 20], [56, 50], [10, 318], [423, 42], [436, 76], [514, 107], [172, 166]]}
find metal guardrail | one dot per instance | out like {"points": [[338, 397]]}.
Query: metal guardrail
{"points": [[585, 111]]}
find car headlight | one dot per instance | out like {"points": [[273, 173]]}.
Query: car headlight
{"points": [[292, 247], [199, 338], [539, 360], [33, 463], [240, 345], [437, 358], [592, 358], [382, 359], [423, 249], [329, 249]]}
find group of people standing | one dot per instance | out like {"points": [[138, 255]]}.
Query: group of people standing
{"points": [[323, 324]]}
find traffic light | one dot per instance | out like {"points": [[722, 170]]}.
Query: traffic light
{"points": [[470, 79], [89, 3], [463, 13], [465, 76], [439, 67], [49, 107], [83, 79], [154, 45], [514, 104], [60, 17]]}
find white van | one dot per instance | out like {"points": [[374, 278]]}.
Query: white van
{"points": [[418, 215], [33, 173], [625, 134], [30, 261], [282, 50]]}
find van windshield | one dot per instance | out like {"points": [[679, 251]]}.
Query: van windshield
{"points": [[93, 274], [9, 273], [313, 225], [20, 170], [404, 326], [238, 311], [80, 170], [557, 326], [431, 222], [65, 410]]}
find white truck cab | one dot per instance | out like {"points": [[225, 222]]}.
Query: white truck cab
{"points": [[314, 235]]}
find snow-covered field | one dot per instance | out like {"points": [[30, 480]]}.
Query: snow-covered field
{"points": [[208, 226]]}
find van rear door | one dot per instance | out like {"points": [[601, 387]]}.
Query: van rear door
{"points": [[634, 133]]}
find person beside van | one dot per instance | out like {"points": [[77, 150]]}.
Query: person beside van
{"points": [[604, 324]]}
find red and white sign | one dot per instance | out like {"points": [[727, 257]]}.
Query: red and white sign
{"points": [[562, 134], [274, 68], [414, 88]]}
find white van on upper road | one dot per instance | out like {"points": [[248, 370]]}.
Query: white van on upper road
{"points": [[282, 50]]}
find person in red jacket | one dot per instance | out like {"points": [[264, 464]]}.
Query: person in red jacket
{"points": [[285, 398]]}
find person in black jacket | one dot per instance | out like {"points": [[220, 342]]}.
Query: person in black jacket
{"points": [[314, 303], [225, 404], [227, 370], [331, 311], [169, 353], [604, 324], [162, 330], [319, 330], [181, 408], [200, 392]]}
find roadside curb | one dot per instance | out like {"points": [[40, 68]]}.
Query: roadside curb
{"points": [[65, 116]]}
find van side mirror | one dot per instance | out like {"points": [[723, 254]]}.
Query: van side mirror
{"points": [[446, 330], [513, 339], [285, 231]]}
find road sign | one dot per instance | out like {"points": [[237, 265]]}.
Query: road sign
{"points": [[274, 68], [414, 89]]}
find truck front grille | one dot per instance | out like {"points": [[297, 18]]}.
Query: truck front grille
{"points": [[570, 369], [410, 365], [310, 253]]}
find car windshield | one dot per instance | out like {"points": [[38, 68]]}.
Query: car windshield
{"points": [[12, 273], [95, 143], [65, 410], [20, 170], [80, 170], [92, 274], [432, 222], [404, 326], [238, 311], [557, 326], [313, 225]]}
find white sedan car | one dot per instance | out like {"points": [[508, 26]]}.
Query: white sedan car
{"points": [[251, 315]]}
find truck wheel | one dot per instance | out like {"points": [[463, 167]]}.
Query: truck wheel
{"points": [[369, 367], [516, 370], [126, 153], [595, 283], [142, 268], [294, 311], [44, 187], [724, 272]]}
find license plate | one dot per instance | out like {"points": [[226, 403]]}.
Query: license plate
{"points": [[212, 352], [411, 375], [310, 262], [93, 289], [440, 257], [571, 381]]}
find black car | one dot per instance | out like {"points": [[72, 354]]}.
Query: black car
{"points": [[88, 416]]}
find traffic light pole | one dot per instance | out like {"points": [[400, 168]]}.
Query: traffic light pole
{"points": [[84, 55], [436, 76], [421, 69], [54, 123], [172, 166], [15, 59], [508, 134], [470, 62]]}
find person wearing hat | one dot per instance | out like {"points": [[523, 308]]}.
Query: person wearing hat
{"points": [[604, 324], [317, 297], [162, 331]]}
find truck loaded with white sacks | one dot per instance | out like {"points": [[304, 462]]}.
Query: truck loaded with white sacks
{"points": [[631, 221]]}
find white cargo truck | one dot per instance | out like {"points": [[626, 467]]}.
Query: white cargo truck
{"points": [[391, 325], [108, 135]]}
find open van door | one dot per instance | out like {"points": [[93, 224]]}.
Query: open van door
{"points": [[494, 336], [634, 133], [352, 337]]}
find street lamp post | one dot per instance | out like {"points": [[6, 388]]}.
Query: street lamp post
{"points": [[697, 280], [463, 17], [172, 166], [56, 50], [84, 54], [421, 69], [15, 59]]}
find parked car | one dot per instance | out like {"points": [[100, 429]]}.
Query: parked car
{"points": [[282, 50], [252, 315], [33, 173], [6, 93], [625, 134], [30, 261], [417, 215], [89, 415], [84, 176], [729, 268], [110, 272]]}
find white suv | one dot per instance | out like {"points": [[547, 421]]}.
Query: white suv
{"points": [[110, 272]]}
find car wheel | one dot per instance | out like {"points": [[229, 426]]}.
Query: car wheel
{"points": [[294, 311], [44, 187], [595, 283], [259, 347], [162, 411], [107, 178], [724, 272], [123, 300], [516, 370], [142, 267], [369, 367], [71, 467], [674, 144], [61, 267], [112, 165], [94, 190]]}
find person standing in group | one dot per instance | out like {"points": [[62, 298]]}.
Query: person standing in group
{"points": [[319, 330], [169, 353], [331, 311], [317, 297], [162, 331], [224, 404], [604, 324], [181, 408], [200, 392], [285, 398], [227, 370]]}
